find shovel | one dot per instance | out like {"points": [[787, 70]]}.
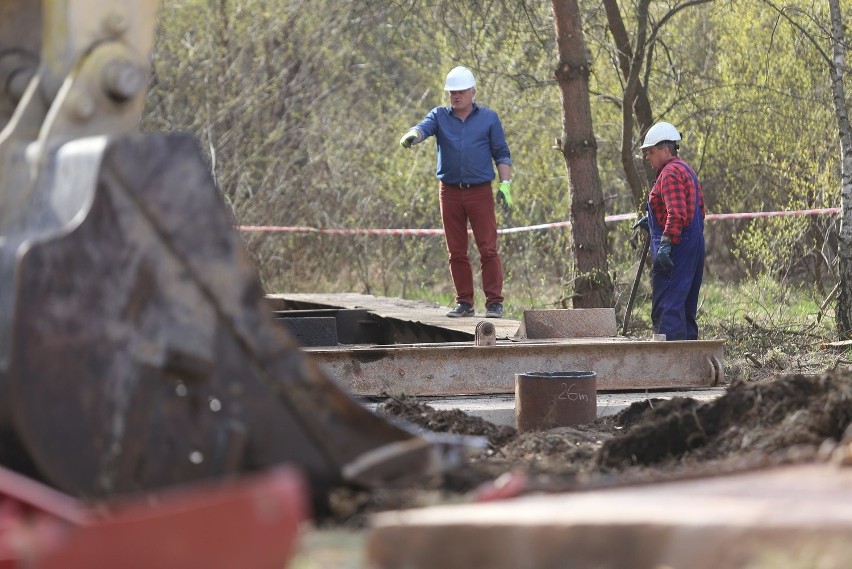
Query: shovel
{"points": [[639, 164], [646, 238]]}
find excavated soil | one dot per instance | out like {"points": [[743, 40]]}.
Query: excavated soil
{"points": [[790, 418]]}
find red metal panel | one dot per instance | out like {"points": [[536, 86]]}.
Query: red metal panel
{"points": [[251, 523]]}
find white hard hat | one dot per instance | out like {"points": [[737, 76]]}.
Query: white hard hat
{"points": [[459, 79], [660, 132]]}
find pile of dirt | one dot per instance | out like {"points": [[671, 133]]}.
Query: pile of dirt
{"points": [[791, 418], [454, 421], [751, 420]]}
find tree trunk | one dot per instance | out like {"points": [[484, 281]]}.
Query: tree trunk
{"points": [[592, 285], [635, 100], [844, 298]]}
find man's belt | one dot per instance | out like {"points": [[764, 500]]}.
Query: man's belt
{"points": [[466, 186]]}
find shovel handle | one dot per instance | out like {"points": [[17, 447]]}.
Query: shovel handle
{"points": [[646, 244]]}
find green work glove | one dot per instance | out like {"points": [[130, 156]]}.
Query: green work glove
{"points": [[409, 138], [664, 255], [642, 223], [504, 195]]}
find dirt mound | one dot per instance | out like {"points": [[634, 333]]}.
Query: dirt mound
{"points": [[789, 418], [765, 418], [453, 421]]}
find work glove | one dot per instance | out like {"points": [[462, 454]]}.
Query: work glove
{"points": [[409, 138], [504, 195], [642, 223], [664, 255]]}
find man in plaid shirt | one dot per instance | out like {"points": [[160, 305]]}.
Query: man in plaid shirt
{"points": [[676, 225]]}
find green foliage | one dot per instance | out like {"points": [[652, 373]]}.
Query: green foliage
{"points": [[299, 106], [769, 138]]}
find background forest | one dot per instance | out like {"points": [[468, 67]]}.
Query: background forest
{"points": [[299, 106]]}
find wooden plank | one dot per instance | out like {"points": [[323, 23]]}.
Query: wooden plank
{"points": [[456, 368], [796, 516], [399, 309]]}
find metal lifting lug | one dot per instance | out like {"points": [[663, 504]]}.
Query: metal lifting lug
{"points": [[485, 334]]}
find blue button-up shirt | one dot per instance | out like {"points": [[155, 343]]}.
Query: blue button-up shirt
{"points": [[466, 148]]}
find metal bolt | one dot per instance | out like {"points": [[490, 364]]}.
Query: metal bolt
{"points": [[123, 79], [181, 390], [196, 457], [115, 23], [215, 405], [81, 105]]}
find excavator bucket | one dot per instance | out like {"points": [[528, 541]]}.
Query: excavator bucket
{"points": [[137, 350]]}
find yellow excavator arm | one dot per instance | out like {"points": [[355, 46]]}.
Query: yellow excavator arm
{"points": [[137, 349]]}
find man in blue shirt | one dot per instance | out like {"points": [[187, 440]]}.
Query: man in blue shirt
{"points": [[469, 137]]}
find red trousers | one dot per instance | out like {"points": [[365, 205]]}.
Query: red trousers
{"points": [[474, 204]]}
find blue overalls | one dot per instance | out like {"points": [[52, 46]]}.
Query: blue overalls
{"points": [[674, 302]]}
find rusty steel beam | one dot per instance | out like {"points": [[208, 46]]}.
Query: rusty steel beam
{"points": [[459, 368]]}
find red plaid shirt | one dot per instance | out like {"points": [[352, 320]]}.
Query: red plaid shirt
{"points": [[672, 198]]}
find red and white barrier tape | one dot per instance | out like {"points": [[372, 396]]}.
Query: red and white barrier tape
{"points": [[756, 214], [279, 229], [608, 219]]}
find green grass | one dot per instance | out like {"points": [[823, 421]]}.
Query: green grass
{"points": [[765, 302], [769, 329]]}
